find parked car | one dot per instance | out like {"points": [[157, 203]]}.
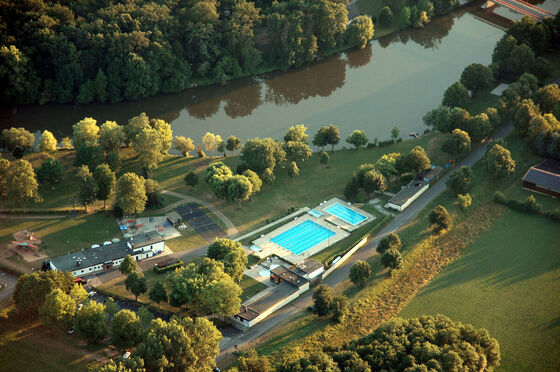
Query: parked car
{"points": [[126, 355], [80, 306]]}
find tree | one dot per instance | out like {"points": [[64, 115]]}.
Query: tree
{"points": [[128, 265], [548, 98], [464, 201], [31, 289], [262, 153], [210, 142], [324, 158], [105, 180], [460, 181], [358, 138], [322, 299], [163, 130], [332, 134], [499, 161], [360, 272], [339, 308], [297, 151], [23, 184], [111, 307], [255, 180], [268, 175], [149, 147], [477, 77], [440, 218], [417, 160], [217, 176], [88, 187], [194, 346], [50, 172], [58, 310], [386, 16], [47, 142], [199, 152], [89, 154], [253, 362], [145, 316], [233, 143], [360, 31], [126, 330], [86, 132], [136, 284], [130, 194], [395, 133], [455, 96], [158, 293], [352, 188], [134, 126], [90, 322], [478, 127], [238, 187], [539, 125], [321, 138], [231, 254], [524, 112], [374, 181], [153, 194], [386, 164], [296, 133], [391, 241], [184, 145], [66, 144], [17, 137], [4, 178], [293, 170], [457, 143], [191, 179], [111, 136], [392, 259]]}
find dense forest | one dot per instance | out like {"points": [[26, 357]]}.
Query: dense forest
{"points": [[93, 50]]}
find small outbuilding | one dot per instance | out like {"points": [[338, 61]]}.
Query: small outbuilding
{"points": [[174, 218], [407, 195], [431, 174], [544, 178]]}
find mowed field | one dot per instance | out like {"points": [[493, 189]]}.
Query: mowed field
{"points": [[509, 283]]}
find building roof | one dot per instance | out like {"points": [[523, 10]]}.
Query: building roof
{"points": [[430, 172], [308, 266], [545, 174], [289, 276], [407, 192], [271, 297], [247, 313], [105, 253], [174, 217]]}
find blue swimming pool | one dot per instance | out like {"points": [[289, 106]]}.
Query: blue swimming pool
{"points": [[345, 214], [301, 237]]}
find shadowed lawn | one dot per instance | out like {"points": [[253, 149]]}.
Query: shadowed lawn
{"points": [[250, 287], [508, 283]]}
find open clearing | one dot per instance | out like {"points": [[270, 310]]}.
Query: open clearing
{"points": [[506, 282]]}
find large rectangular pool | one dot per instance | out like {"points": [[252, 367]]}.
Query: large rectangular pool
{"points": [[301, 237], [345, 214]]}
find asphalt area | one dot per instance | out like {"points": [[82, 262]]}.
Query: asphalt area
{"points": [[200, 222]]}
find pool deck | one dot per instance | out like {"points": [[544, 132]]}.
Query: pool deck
{"points": [[269, 248], [337, 221]]}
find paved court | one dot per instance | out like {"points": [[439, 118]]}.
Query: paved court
{"points": [[200, 222]]}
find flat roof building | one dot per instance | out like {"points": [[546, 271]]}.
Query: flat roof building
{"points": [[407, 195], [544, 178]]}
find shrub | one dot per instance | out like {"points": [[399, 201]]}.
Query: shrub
{"points": [[385, 143], [464, 201], [161, 270], [553, 215], [499, 197]]}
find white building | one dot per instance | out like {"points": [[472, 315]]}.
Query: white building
{"points": [[407, 195]]}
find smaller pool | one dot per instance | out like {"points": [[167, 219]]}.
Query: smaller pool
{"points": [[315, 213], [345, 214]]}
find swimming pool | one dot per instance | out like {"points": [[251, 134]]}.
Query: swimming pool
{"points": [[344, 213], [301, 237]]}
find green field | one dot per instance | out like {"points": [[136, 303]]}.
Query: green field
{"points": [[508, 283]]}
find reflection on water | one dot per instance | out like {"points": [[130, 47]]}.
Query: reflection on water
{"points": [[393, 81]]}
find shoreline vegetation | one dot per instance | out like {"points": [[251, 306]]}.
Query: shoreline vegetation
{"points": [[257, 41]]}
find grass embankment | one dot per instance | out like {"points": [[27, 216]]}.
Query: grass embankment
{"points": [[315, 183], [425, 255], [26, 345]]}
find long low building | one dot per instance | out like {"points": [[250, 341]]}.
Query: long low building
{"points": [[407, 195], [105, 257], [544, 178]]}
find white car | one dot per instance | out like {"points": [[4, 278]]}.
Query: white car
{"points": [[92, 293], [126, 355], [80, 306]]}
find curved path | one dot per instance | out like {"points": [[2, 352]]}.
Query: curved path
{"points": [[341, 274]]}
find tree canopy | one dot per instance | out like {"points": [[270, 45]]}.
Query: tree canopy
{"points": [[131, 194]]}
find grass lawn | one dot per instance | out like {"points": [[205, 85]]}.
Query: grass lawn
{"points": [[250, 287], [189, 239], [481, 102], [315, 183], [508, 283], [62, 235], [27, 346]]}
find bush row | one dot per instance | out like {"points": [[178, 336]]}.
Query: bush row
{"points": [[530, 206], [161, 270]]}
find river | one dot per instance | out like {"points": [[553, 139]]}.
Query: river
{"points": [[392, 82]]}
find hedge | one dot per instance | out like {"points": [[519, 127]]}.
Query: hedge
{"points": [[161, 270], [529, 206]]}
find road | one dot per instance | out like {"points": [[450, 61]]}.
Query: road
{"points": [[525, 9], [341, 274]]}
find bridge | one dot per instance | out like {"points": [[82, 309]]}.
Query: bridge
{"points": [[522, 7]]}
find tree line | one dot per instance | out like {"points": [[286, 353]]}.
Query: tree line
{"points": [[107, 52]]}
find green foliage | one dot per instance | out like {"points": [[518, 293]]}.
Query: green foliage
{"points": [[184, 145], [130, 194], [416, 160], [524, 111], [114, 161], [360, 272], [476, 78], [339, 308], [373, 181], [145, 316], [324, 158], [360, 31], [268, 175], [191, 178], [17, 137], [90, 324], [262, 153], [23, 185], [194, 346], [254, 179], [458, 143], [296, 133], [297, 151], [440, 218], [136, 125], [392, 259], [352, 188], [464, 201], [253, 362], [136, 283], [158, 293], [105, 180], [47, 142], [395, 133], [50, 172], [231, 254], [460, 181], [89, 154], [327, 136], [391, 241], [111, 136], [111, 307], [4, 178], [499, 161], [386, 16], [88, 187], [153, 194], [358, 139], [322, 299], [456, 95], [31, 289], [128, 265], [293, 170], [478, 127], [58, 310], [386, 164], [548, 99], [233, 143], [126, 330], [86, 132]]}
